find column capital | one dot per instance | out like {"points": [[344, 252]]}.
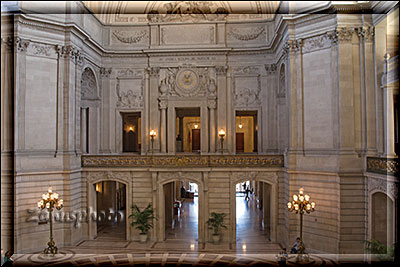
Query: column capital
{"points": [[105, 72], [21, 44], [212, 104], [221, 70], [153, 71], [162, 103]]}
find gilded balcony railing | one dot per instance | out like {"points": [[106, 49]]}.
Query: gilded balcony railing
{"points": [[183, 161], [388, 166]]}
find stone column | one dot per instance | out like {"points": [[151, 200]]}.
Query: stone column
{"points": [[221, 96], [388, 122], [230, 117], [146, 115], [163, 126], [212, 105], [84, 130], [105, 109], [154, 114]]}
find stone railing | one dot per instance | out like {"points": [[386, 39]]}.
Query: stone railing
{"points": [[389, 166], [184, 161]]}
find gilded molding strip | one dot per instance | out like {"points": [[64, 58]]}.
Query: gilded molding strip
{"points": [[383, 165], [183, 161]]}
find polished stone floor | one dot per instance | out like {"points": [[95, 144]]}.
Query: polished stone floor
{"points": [[185, 225]]}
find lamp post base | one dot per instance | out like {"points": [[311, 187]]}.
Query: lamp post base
{"points": [[51, 249], [302, 256]]}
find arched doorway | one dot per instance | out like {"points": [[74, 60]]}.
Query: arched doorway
{"points": [[111, 209], [382, 223], [181, 210], [254, 221], [253, 211], [169, 226]]}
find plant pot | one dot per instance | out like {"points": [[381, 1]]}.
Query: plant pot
{"points": [[143, 238], [216, 238]]}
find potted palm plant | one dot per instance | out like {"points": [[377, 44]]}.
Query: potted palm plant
{"points": [[216, 222], [142, 220]]}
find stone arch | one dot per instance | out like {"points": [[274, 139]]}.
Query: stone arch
{"points": [[167, 177], [270, 178], [89, 84], [282, 81], [381, 216], [94, 177]]}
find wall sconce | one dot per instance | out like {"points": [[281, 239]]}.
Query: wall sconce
{"points": [[221, 134], [240, 123], [131, 129], [196, 126], [152, 135]]}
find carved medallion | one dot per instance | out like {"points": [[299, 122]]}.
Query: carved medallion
{"points": [[187, 81]]}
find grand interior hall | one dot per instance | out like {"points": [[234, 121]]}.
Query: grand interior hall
{"points": [[199, 133]]}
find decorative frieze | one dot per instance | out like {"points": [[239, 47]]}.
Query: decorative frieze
{"points": [[316, 43], [247, 33], [383, 165], [246, 70], [187, 161], [382, 185], [130, 37], [41, 49]]}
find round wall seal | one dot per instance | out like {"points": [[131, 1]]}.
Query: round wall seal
{"points": [[187, 81]]}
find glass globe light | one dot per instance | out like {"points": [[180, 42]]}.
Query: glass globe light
{"points": [[301, 191], [295, 197], [289, 205], [301, 198], [312, 204], [48, 205], [307, 197]]}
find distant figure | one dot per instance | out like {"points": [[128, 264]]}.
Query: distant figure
{"points": [[296, 246], [7, 259], [183, 192], [247, 194], [282, 257]]}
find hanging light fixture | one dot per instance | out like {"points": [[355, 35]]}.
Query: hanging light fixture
{"points": [[240, 122]]}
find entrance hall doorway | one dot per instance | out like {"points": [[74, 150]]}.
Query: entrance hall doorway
{"points": [[111, 210], [181, 211], [253, 213]]}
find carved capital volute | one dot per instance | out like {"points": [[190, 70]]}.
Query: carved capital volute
{"points": [[162, 103], [344, 34]]}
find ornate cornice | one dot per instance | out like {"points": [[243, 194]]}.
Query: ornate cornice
{"points": [[262, 161]]}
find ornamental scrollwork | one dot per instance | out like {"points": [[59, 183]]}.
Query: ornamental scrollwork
{"points": [[344, 34], [316, 43], [21, 44], [247, 34], [129, 98], [123, 36]]}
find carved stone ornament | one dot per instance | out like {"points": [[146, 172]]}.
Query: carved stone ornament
{"points": [[247, 34], [154, 71], [37, 49], [88, 85], [344, 34], [221, 70], [366, 32], [270, 68], [109, 176], [162, 103], [105, 72], [187, 82], [212, 104], [129, 98], [130, 37], [293, 45], [382, 185], [316, 43], [21, 44], [246, 70], [130, 73], [7, 42], [190, 11]]}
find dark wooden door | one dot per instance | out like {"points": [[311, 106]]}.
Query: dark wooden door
{"points": [[239, 142], [195, 140]]}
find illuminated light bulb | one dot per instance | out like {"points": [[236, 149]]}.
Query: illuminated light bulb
{"points": [[301, 198], [55, 195], [289, 205], [47, 196], [221, 132], [196, 126], [131, 129], [307, 197], [240, 125], [244, 247], [50, 190], [312, 204], [296, 207], [295, 197], [308, 206], [301, 191], [47, 205], [44, 196], [39, 204]]}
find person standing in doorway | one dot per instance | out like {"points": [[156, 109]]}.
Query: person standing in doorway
{"points": [[247, 194]]}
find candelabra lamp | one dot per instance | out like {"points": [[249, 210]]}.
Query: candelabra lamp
{"points": [[152, 135], [50, 201], [301, 204], [221, 134]]}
